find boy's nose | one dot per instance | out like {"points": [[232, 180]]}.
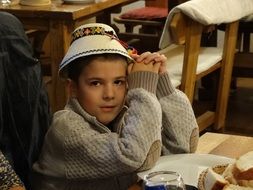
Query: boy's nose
{"points": [[108, 92]]}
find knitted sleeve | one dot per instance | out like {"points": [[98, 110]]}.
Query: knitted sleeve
{"points": [[180, 130], [93, 154]]}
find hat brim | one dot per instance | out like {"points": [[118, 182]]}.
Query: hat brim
{"points": [[92, 45]]}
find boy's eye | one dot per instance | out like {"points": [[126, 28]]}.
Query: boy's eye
{"points": [[119, 82], [94, 83]]}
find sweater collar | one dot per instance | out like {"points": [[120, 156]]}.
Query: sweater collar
{"points": [[74, 105]]}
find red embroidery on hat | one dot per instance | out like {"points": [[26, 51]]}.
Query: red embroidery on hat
{"points": [[87, 31], [130, 49]]}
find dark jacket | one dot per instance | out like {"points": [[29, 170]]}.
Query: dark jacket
{"points": [[24, 106]]}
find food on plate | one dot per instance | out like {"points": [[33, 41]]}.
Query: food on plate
{"points": [[244, 167], [233, 176], [236, 187], [228, 174], [214, 180], [241, 172]]}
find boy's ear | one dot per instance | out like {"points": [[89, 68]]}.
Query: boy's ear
{"points": [[71, 88]]}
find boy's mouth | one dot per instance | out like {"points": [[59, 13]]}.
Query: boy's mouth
{"points": [[107, 108]]}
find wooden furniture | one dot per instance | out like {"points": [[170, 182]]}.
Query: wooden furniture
{"points": [[17, 188], [155, 3], [150, 20], [243, 64], [231, 146], [58, 21], [188, 62]]}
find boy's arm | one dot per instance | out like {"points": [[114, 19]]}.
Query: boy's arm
{"points": [[180, 130], [110, 154]]}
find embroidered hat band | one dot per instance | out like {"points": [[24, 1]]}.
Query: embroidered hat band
{"points": [[87, 31]]}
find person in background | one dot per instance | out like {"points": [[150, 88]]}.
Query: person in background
{"points": [[8, 178], [122, 114], [24, 107]]}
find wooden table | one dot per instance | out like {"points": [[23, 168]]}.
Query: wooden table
{"points": [[59, 21], [231, 146]]}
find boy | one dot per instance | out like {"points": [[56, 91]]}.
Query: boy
{"points": [[111, 125]]}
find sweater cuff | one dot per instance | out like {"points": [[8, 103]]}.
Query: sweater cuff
{"points": [[143, 79], [164, 87]]}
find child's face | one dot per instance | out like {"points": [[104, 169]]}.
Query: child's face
{"points": [[102, 88]]}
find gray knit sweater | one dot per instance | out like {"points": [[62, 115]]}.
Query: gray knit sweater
{"points": [[81, 153]]}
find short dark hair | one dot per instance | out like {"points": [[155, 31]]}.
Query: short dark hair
{"points": [[75, 67]]}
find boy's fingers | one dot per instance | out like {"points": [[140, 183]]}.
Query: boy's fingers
{"points": [[156, 66], [153, 57], [143, 56], [135, 56], [161, 58], [146, 57], [150, 62]]}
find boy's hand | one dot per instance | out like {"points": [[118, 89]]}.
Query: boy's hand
{"points": [[151, 67], [157, 60]]}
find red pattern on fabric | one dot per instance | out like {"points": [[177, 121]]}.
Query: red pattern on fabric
{"points": [[146, 13]]}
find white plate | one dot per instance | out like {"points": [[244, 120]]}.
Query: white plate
{"points": [[188, 165]]}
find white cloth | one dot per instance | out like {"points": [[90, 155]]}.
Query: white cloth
{"points": [[248, 18], [208, 12]]}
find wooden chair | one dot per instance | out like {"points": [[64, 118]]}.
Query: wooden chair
{"points": [[243, 64], [150, 20], [188, 62]]}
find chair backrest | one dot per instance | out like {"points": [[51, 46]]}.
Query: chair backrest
{"points": [[177, 28], [143, 25], [191, 38], [208, 12], [183, 30], [157, 3], [243, 66], [188, 32]]}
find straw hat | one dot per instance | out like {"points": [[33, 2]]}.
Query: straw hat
{"points": [[92, 39]]}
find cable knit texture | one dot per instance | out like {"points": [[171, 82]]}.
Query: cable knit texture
{"points": [[180, 130], [81, 153]]}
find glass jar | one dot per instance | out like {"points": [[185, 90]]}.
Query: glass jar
{"points": [[163, 180]]}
